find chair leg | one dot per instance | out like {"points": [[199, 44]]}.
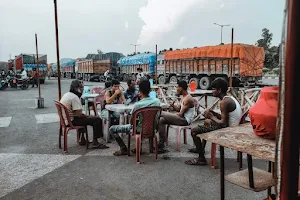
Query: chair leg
{"points": [[167, 135], [138, 148], [184, 136], [213, 155], [60, 134], [156, 148], [128, 145], [151, 145], [87, 137], [66, 140], [178, 139]]}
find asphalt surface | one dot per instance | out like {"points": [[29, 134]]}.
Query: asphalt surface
{"points": [[33, 167]]}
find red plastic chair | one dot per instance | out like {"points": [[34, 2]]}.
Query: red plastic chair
{"points": [[150, 122], [67, 127], [180, 129]]}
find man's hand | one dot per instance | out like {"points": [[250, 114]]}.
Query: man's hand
{"points": [[208, 115], [180, 115], [118, 91]]}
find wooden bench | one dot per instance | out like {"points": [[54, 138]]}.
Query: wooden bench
{"points": [[242, 139]]}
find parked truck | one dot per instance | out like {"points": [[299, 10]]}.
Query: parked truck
{"points": [[29, 62], [201, 65], [89, 67], [67, 66], [204, 64], [130, 64]]}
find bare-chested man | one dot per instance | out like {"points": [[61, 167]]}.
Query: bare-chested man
{"points": [[184, 117], [231, 114]]}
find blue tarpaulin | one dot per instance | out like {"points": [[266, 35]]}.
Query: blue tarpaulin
{"points": [[140, 59], [32, 66], [67, 62]]}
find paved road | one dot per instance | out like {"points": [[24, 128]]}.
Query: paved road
{"points": [[33, 167]]}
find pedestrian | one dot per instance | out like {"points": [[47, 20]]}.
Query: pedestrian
{"points": [[35, 78]]}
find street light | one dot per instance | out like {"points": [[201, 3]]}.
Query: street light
{"points": [[135, 45], [221, 25]]}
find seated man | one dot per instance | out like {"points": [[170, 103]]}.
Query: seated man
{"points": [[231, 114], [131, 94], [113, 96], [144, 90], [185, 116], [72, 101]]}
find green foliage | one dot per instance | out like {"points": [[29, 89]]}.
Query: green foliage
{"points": [[271, 53], [276, 71]]}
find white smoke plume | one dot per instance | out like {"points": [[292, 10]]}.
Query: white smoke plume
{"points": [[161, 17]]}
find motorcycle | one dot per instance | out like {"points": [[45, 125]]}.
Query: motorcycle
{"points": [[15, 82], [3, 84]]}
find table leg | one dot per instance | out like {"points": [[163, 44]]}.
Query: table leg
{"points": [[86, 102], [205, 100], [269, 170], [108, 126], [121, 122], [250, 170], [222, 173]]}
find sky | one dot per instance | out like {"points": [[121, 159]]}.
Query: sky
{"points": [[112, 25]]}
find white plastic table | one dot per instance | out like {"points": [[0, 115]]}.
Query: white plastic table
{"points": [[86, 98]]}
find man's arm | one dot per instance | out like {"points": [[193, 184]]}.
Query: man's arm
{"points": [[224, 114], [218, 115], [122, 97], [77, 107], [176, 108], [110, 99], [188, 103]]}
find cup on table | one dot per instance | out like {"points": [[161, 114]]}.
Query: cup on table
{"points": [[152, 94], [151, 82]]}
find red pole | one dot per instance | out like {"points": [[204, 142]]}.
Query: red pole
{"points": [[291, 129], [57, 50], [37, 64]]}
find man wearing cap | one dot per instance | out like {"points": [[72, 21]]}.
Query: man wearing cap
{"points": [[71, 100]]}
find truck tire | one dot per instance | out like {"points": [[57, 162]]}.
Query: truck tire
{"points": [[205, 83], [173, 79], [161, 79], [196, 80]]}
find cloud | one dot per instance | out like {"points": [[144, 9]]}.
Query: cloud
{"points": [[126, 25], [222, 5], [161, 17], [182, 40]]}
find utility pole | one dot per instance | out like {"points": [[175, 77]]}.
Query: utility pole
{"points": [[57, 50], [135, 45], [221, 25]]}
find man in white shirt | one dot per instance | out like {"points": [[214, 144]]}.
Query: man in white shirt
{"points": [[23, 74], [72, 101], [140, 76], [106, 74]]}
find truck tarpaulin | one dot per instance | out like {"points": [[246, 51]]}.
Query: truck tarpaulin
{"points": [[140, 59], [251, 57]]}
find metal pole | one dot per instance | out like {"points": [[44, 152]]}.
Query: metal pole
{"points": [[231, 60], [57, 50], [156, 65], [291, 128], [135, 49], [37, 65], [221, 34]]}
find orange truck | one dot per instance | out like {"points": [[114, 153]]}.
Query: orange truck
{"points": [[204, 64], [88, 67]]}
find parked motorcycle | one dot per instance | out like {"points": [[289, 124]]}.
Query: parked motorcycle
{"points": [[15, 82], [3, 84]]}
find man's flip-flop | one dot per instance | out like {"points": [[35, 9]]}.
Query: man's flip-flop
{"points": [[120, 153], [195, 161], [99, 146], [193, 150]]}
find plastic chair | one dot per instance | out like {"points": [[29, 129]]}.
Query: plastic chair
{"points": [[150, 122], [179, 129], [67, 127]]}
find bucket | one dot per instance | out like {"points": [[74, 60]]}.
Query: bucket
{"points": [[152, 94], [193, 86], [151, 82]]}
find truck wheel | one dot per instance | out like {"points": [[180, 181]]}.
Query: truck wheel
{"points": [[161, 80], [196, 80], [173, 79], [205, 83]]}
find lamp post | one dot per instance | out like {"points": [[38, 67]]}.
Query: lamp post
{"points": [[135, 45], [221, 25], [57, 50]]}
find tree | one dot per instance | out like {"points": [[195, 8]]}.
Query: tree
{"points": [[265, 42], [271, 53]]}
